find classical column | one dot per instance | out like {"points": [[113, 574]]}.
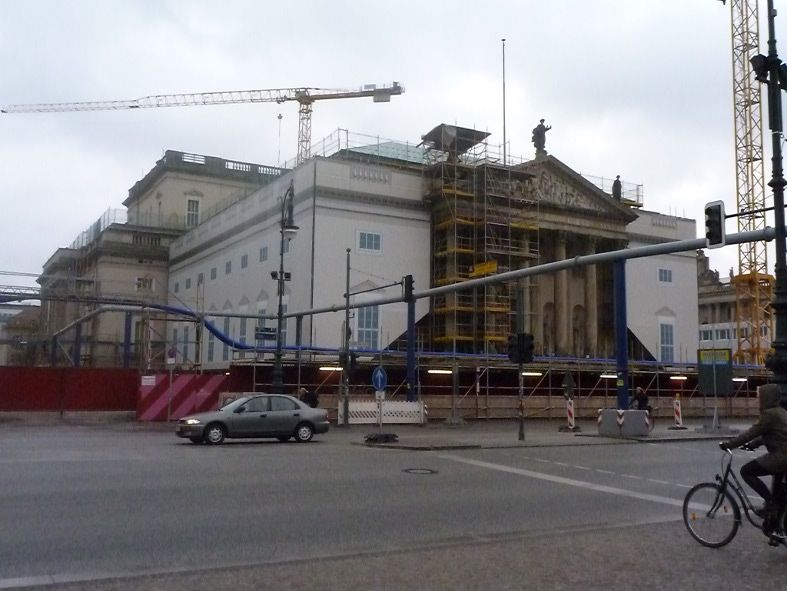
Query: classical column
{"points": [[591, 304], [562, 313]]}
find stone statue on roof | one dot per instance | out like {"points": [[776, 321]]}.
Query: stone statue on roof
{"points": [[540, 137], [617, 189]]}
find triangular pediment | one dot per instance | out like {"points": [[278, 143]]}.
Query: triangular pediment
{"points": [[558, 186]]}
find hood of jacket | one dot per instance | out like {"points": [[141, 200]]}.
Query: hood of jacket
{"points": [[770, 396]]}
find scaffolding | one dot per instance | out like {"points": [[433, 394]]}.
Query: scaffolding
{"points": [[484, 221]]}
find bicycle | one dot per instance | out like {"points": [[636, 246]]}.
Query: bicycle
{"points": [[712, 510]]}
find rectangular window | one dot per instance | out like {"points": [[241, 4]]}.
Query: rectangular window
{"points": [[213, 273], [242, 337], [225, 353], [185, 344], [369, 242], [174, 340], [188, 282], [228, 267], [192, 213], [200, 278], [666, 332], [211, 345], [263, 254], [244, 261], [175, 289], [723, 334], [368, 326], [665, 275], [706, 334]]}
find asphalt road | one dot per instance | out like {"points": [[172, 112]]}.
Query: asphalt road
{"points": [[115, 508]]}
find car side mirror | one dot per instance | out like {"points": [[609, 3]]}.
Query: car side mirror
{"points": [[240, 410]]}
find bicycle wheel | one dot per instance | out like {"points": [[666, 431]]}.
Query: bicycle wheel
{"points": [[711, 516]]}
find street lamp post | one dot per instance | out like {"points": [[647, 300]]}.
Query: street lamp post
{"points": [[287, 230], [777, 360]]}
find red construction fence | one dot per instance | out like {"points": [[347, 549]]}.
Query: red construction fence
{"points": [[163, 397], [67, 389]]}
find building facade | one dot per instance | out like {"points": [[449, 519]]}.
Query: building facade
{"points": [[445, 214], [661, 291], [123, 258]]}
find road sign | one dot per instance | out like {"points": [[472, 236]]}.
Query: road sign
{"points": [[714, 372], [172, 354], [264, 333], [379, 378], [379, 395]]}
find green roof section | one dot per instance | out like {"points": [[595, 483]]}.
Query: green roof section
{"points": [[390, 150]]}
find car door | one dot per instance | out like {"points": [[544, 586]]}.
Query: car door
{"points": [[284, 415], [251, 419]]}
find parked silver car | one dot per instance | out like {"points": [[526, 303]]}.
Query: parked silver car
{"points": [[255, 415]]}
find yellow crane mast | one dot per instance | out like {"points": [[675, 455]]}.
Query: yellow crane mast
{"points": [[304, 96], [753, 285]]}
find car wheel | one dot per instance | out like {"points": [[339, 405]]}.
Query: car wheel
{"points": [[214, 434], [196, 439], [303, 432], [283, 438]]}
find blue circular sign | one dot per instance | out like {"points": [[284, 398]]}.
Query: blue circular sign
{"points": [[379, 378]]}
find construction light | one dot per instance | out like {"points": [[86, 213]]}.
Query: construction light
{"points": [[608, 376], [330, 368], [440, 371], [679, 378], [532, 374], [738, 379]]}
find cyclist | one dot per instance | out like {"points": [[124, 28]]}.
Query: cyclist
{"points": [[770, 429]]}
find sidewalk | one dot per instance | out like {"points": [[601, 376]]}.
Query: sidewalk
{"points": [[505, 434]]}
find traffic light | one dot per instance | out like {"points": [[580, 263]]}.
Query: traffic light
{"points": [[513, 348], [520, 348], [348, 362], [525, 347], [714, 224], [408, 288]]}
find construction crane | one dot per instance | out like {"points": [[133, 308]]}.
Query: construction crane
{"points": [[753, 285], [305, 97]]}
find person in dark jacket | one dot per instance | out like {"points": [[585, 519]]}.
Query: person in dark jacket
{"points": [[770, 429], [639, 401], [309, 397]]}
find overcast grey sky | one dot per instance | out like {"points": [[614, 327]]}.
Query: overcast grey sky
{"points": [[640, 88]]}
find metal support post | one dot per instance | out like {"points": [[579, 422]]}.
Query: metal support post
{"points": [[286, 227], [621, 333], [346, 349], [777, 361], [127, 341], [411, 394]]}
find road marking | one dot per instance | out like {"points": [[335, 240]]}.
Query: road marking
{"points": [[567, 481], [609, 472]]}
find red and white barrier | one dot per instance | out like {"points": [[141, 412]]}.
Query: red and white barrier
{"points": [[570, 414], [676, 411]]}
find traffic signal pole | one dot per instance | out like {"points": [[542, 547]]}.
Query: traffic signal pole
{"points": [[777, 361], [520, 329]]}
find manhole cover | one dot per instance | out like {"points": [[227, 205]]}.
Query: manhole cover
{"points": [[420, 471]]}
